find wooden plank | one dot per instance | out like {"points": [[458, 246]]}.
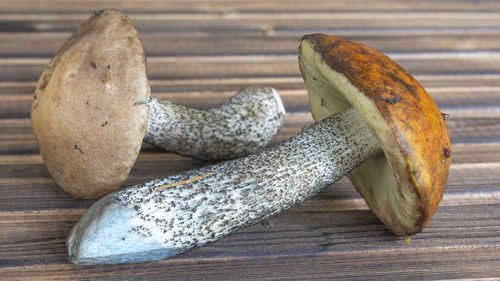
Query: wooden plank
{"points": [[294, 96], [437, 82], [474, 263], [278, 16], [257, 24], [168, 44], [475, 152], [16, 135], [463, 153], [17, 104], [26, 179], [466, 125], [38, 245], [158, 44], [221, 6], [29, 69]]}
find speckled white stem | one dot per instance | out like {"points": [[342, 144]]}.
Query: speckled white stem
{"points": [[242, 125], [140, 223]]}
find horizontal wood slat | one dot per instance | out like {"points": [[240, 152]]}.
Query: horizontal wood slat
{"points": [[17, 104], [39, 191], [29, 69], [465, 125], [219, 6], [459, 263], [297, 234], [167, 44], [262, 23]]}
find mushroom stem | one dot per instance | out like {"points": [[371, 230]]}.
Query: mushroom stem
{"points": [[241, 125], [141, 223]]}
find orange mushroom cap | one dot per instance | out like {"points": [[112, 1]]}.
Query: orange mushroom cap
{"points": [[404, 185]]}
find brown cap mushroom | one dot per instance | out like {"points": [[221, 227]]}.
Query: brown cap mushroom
{"points": [[88, 129], [374, 121], [404, 185], [92, 109]]}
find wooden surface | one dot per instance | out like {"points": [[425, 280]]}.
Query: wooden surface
{"points": [[201, 52]]}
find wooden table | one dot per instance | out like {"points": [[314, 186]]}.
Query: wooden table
{"points": [[201, 52]]}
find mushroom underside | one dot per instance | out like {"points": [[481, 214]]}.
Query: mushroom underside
{"points": [[382, 180]]}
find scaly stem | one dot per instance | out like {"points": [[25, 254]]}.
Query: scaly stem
{"points": [[242, 125], [140, 223]]}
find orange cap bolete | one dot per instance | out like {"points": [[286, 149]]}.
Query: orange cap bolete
{"points": [[404, 185]]}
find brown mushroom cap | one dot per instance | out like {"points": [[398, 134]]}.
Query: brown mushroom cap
{"points": [[404, 185], [88, 128]]}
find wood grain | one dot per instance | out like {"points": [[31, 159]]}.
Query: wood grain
{"points": [[28, 69], [217, 6], [466, 125], [261, 23], [200, 52], [328, 236], [21, 44], [17, 105]]}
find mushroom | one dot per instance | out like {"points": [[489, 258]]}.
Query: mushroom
{"points": [[92, 109], [375, 123]]}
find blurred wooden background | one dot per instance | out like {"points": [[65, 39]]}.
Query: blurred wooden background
{"points": [[201, 52]]}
